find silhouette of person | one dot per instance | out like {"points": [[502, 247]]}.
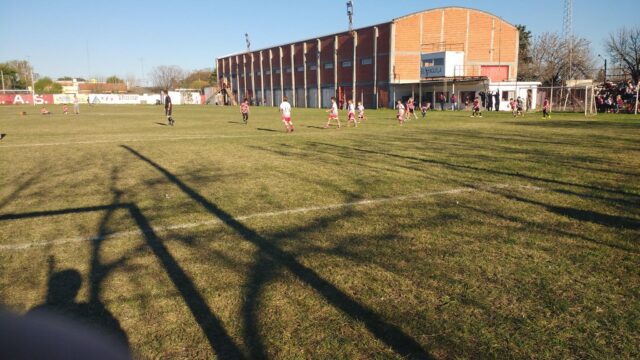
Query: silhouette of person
{"points": [[63, 287]]}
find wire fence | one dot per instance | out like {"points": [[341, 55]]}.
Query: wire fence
{"points": [[589, 99]]}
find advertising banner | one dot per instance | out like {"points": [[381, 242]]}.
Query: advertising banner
{"points": [[25, 99], [178, 98]]}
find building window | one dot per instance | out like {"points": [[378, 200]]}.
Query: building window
{"points": [[313, 67], [506, 95], [277, 71], [366, 61], [300, 69], [267, 72], [328, 66], [346, 63], [433, 62], [288, 70]]}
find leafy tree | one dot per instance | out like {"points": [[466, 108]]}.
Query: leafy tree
{"points": [[24, 71], [624, 48], [199, 79], [47, 86], [12, 78], [524, 56], [114, 80], [65, 78]]}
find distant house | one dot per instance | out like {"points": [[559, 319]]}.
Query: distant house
{"points": [[93, 87], [102, 88]]}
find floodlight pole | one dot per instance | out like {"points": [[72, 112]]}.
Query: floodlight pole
{"points": [[637, 94], [33, 86], [350, 14]]}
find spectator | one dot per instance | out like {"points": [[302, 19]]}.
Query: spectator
{"points": [[442, 100]]}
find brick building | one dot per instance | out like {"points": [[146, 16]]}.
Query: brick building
{"points": [[449, 50]]}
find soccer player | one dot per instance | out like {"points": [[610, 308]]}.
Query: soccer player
{"points": [[411, 106], [351, 114], [520, 106], [333, 113], [2, 136], [423, 109], [168, 108], [476, 108], [76, 105], [512, 104], [545, 109], [400, 114], [44, 111], [65, 109], [285, 110], [244, 109], [361, 116]]}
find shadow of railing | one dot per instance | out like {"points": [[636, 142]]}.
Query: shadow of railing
{"points": [[211, 325]]}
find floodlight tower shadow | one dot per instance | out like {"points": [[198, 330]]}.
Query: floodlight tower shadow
{"points": [[390, 334]]}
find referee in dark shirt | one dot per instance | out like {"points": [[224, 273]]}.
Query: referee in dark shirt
{"points": [[168, 107]]}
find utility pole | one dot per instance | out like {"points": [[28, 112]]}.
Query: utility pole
{"points": [[605, 68], [2, 76], [246, 40]]}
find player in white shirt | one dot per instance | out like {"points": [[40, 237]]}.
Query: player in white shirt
{"points": [[333, 113], [400, 115], [285, 110], [361, 116], [351, 114]]}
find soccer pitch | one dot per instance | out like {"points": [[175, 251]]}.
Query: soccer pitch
{"points": [[448, 237]]}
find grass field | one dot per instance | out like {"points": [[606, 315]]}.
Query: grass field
{"points": [[450, 237]]}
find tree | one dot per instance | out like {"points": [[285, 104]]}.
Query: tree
{"points": [[11, 78], [114, 80], [24, 70], [65, 78], [524, 56], [47, 86], [550, 60], [624, 48], [199, 79], [167, 77]]}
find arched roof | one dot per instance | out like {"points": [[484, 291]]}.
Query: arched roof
{"points": [[455, 7]]}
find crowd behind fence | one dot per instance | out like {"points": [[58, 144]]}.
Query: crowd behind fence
{"points": [[590, 99]]}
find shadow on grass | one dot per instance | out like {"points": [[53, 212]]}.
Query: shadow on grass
{"points": [[582, 124], [476, 168], [161, 124], [263, 129], [62, 290], [389, 334], [212, 327], [612, 221]]}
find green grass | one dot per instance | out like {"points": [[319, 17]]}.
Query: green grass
{"points": [[519, 238]]}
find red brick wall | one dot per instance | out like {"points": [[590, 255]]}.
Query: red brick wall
{"points": [[451, 34]]}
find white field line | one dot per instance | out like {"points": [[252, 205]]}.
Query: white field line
{"points": [[166, 138], [161, 229]]}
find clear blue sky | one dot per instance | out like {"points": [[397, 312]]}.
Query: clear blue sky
{"points": [[129, 38]]}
